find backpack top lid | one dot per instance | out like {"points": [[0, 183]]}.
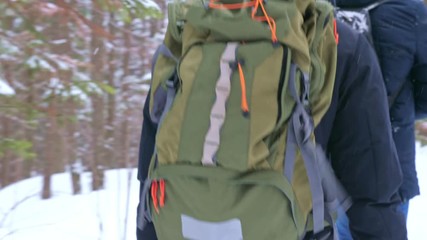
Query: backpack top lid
{"points": [[299, 24]]}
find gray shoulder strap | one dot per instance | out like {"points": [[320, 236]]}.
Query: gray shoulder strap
{"points": [[165, 51], [327, 192]]}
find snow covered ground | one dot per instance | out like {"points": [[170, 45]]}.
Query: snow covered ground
{"points": [[418, 206], [5, 89], [110, 213], [99, 215]]}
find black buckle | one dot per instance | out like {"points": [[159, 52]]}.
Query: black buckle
{"points": [[173, 81], [326, 234]]}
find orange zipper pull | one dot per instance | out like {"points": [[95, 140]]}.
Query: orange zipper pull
{"points": [[162, 192], [244, 100], [154, 187]]}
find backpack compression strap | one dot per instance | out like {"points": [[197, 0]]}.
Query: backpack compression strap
{"points": [[326, 191], [299, 131]]}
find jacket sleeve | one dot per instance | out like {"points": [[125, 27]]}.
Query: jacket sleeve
{"points": [[146, 144], [146, 149], [361, 146], [419, 72]]}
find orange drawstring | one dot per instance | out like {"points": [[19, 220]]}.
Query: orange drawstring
{"points": [[154, 195], [162, 192], [244, 105], [337, 36], [266, 17], [256, 4]]}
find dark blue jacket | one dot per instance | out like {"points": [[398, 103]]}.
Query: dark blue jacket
{"points": [[357, 138], [399, 30]]}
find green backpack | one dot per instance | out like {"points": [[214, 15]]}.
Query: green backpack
{"points": [[237, 90]]}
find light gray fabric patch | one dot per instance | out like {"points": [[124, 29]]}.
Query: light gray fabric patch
{"points": [[217, 118], [194, 229]]}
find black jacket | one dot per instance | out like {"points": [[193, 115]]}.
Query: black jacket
{"points": [[399, 29], [356, 133]]}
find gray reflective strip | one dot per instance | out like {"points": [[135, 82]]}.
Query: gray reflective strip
{"points": [[301, 127], [217, 117], [162, 49], [196, 229]]}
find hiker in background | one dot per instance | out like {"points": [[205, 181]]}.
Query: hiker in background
{"points": [[399, 32], [356, 137]]}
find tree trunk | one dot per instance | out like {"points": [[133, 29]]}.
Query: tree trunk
{"points": [[49, 148], [97, 46], [111, 102], [124, 129], [71, 146], [70, 108], [29, 131], [6, 132], [5, 159]]}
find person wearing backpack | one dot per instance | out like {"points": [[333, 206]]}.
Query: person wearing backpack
{"points": [[357, 140], [399, 33]]}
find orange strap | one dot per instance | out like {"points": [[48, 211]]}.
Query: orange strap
{"points": [[244, 101], [337, 36], [162, 192], [154, 187], [266, 17]]}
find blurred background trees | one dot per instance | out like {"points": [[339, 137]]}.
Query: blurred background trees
{"points": [[73, 78]]}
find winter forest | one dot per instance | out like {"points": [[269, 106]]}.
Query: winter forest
{"points": [[73, 76]]}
